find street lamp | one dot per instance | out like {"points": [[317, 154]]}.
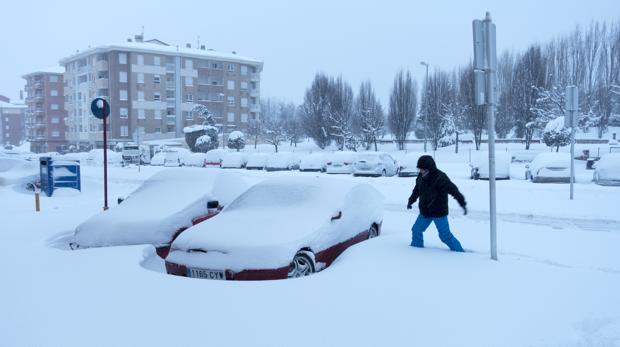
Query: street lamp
{"points": [[426, 111]]}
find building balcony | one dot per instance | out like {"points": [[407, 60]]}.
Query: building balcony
{"points": [[255, 77], [254, 92], [101, 65], [170, 67], [101, 83], [254, 108]]}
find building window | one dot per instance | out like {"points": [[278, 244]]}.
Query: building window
{"points": [[55, 133], [157, 114], [124, 112], [140, 59], [231, 85], [189, 115], [231, 101], [53, 78], [54, 107], [156, 97], [244, 70], [158, 130], [189, 98], [157, 61], [124, 131], [122, 58], [215, 66], [140, 77], [189, 81], [157, 79], [141, 113], [123, 94], [220, 97], [231, 67], [231, 117], [53, 92], [244, 118], [122, 76], [244, 102], [140, 96], [189, 64], [55, 120], [243, 86]]}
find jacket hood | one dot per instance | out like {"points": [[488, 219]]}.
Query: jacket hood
{"points": [[427, 162]]}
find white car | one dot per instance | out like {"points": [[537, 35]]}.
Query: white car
{"points": [[256, 161], [549, 167], [234, 160], [195, 159], [374, 164], [607, 170], [282, 161], [280, 228], [408, 164], [480, 165], [175, 156], [313, 162], [162, 207], [158, 159], [340, 162], [214, 157]]}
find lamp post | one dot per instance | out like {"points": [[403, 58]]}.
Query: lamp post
{"points": [[425, 111]]}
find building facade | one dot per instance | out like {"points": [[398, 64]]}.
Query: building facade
{"points": [[153, 88], [12, 123], [45, 115]]}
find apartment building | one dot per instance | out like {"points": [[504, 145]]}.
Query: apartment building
{"points": [[45, 115], [153, 88], [12, 123]]}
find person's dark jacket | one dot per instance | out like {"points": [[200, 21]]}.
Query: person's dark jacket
{"points": [[433, 189]]}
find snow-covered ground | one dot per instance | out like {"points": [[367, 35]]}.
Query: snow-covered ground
{"points": [[556, 282]]}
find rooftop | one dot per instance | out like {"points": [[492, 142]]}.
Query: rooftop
{"points": [[10, 105], [48, 70]]}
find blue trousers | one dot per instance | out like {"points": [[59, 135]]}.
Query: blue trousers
{"points": [[422, 223]]}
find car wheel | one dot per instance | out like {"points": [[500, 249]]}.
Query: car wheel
{"points": [[373, 231], [302, 265]]}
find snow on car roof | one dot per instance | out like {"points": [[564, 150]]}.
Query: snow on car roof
{"points": [[278, 214], [547, 159], [163, 204], [609, 161]]}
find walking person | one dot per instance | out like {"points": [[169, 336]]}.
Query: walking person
{"points": [[432, 187]]}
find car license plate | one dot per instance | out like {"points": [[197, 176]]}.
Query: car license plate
{"points": [[205, 273]]}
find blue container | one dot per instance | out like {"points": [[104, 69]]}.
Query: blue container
{"points": [[59, 174]]}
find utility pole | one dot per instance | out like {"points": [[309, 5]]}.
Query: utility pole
{"points": [[425, 111], [572, 106], [485, 68]]}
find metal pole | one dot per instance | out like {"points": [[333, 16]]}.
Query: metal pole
{"points": [[105, 160], [572, 154], [426, 111], [490, 87]]}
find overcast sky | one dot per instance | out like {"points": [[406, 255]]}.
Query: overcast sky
{"points": [[357, 39]]}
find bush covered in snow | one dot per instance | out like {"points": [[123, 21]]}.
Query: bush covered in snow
{"points": [[206, 142], [555, 134], [194, 132], [236, 140]]}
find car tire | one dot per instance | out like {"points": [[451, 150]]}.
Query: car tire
{"points": [[302, 265], [373, 231]]}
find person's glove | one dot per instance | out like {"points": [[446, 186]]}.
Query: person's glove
{"points": [[464, 210], [409, 206]]}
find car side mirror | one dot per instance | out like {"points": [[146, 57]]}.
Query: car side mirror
{"points": [[213, 204], [119, 200]]}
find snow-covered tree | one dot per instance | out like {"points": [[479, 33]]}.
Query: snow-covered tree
{"points": [[292, 124], [236, 140], [208, 141], [340, 112], [254, 130], [555, 134], [369, 115], [201, 112], [314, 111], [193, 132], [474, 114], [272, 124], [403, 106], [435, 100]]}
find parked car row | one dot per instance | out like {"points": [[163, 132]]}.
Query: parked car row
{"points": [[212, 225]]}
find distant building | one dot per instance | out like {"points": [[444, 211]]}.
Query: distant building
{"points": [[153, 87], [12, 123], [4, 98], [45, 117]]}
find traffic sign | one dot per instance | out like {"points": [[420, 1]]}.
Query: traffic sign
{"points": [[100, 108]]}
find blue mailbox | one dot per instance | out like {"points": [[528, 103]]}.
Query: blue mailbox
{"points": [[59, 174]]}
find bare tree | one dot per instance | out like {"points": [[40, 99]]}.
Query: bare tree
{"points": [[403, 106], [370, 115], [315, 111], [340, 111], [271, 119], [474, 114]]}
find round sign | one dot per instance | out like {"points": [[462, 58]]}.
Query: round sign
{"points": [[100, 108]]}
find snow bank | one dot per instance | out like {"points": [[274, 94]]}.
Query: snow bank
{"points": [[163, 204], [17, 171], [269, 223]]}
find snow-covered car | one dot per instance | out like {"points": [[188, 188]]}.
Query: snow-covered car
{"points": [[408, 164], [280, 228], [95, 157], [549, 167], [256, 161], [160, 209], [18, 171], [175, 156], [340, 162], [195, 159], [158, 159], [214, 157], [234, 160], [480, 165], [282, 161], [313, 162], [607, 170], [374, 164]]}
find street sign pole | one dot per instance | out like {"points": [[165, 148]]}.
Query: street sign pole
{"points": [[485, 67], [101, 110], [572, 106]]}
